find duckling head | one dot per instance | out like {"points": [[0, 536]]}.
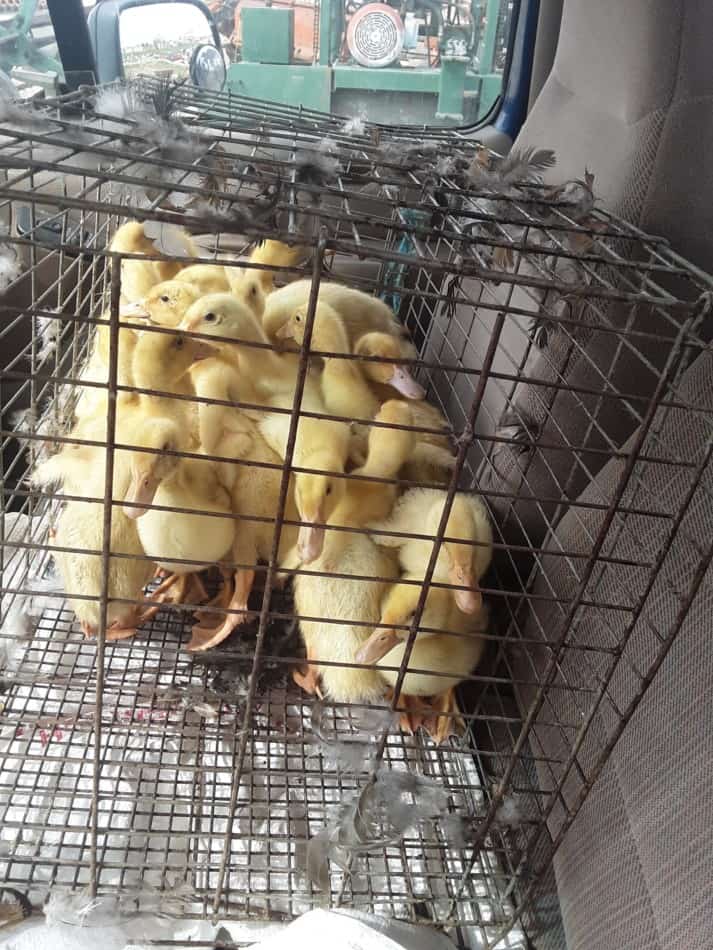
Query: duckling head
{"points": [[328, 331], [248, 286], [167, 356], [398, 609], [313, 497], [167, 302], [469, 561], [148, 469], [223, 315], [388, 374]]}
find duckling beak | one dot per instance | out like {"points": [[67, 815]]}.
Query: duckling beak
{"points": [[141, 493], [377, 646], [404, 383], [202, 350], [134, 310], [284, 332], [310, 542], [468, 598]]}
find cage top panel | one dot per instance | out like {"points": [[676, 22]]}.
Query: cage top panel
{"points": [[217, 163]]}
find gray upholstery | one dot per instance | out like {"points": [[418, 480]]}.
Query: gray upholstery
{"points": [[630, 96], [635, 870]]}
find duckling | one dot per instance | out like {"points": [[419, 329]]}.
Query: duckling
{"points": [[80, 526], [139, 276], [346, 392], [205, 278], [460, 562], [321, 444], [255, 495], [388, 375], [432, 459], [276, 254], [166, 303], [342, 599], [360, 312], [96, 368], [161, 361], [164, 479], [248, 286], [80, 469], [223, 315], [344, 389], [448, 646]]}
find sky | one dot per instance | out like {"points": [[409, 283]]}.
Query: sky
{"points": [[163, 21]]}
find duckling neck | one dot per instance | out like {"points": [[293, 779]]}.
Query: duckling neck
{"points": [[330, 336]]}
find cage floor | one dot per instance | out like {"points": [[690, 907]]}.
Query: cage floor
{"points": [[166, 790]]}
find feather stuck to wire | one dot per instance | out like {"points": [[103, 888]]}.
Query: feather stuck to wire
{"points": [[317, 167], [378, 817], [15, 112], [356, 126], [494, 173], [168, 239], [10, 262], [14, 908], [356, 750]]}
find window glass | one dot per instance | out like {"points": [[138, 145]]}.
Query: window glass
{"points": [[159, 39], [408, 62]]}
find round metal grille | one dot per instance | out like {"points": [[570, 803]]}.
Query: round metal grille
{"points": [[375, 35]]}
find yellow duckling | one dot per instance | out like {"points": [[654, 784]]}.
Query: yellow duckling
{"points": [[80, 526], [432, 459], [224, 315], [160, 361], [460, 562], [346, 393], [158, 478], [205, 278], [275, 254], [166, 303], [344, 389], [249, 285], [360, 312], [255, 495], [321, 444], [139, 276], [448, 646], [81, 471], [392, 375], [342, 599], [96, 368]]}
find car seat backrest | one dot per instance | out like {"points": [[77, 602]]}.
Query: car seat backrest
{"points": [[630, 97]]}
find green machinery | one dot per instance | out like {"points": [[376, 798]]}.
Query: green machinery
{"points": [[20, 48], [424, 61]]}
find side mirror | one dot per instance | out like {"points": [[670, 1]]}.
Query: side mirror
{"points": [[177, 39], [207, 68]]}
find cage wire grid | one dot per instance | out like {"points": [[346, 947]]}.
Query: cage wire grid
{"points": [[131, 768]]}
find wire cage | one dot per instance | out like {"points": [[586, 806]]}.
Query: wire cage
{"points": [[556, 342]]}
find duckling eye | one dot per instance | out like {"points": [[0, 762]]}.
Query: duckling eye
{"points": [[178, 342], [253, 291], [298, 318], [329, 490], [164, 299], [210, 318]]}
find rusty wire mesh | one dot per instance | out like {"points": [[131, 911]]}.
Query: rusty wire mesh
{"points": [[137, 768]]}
